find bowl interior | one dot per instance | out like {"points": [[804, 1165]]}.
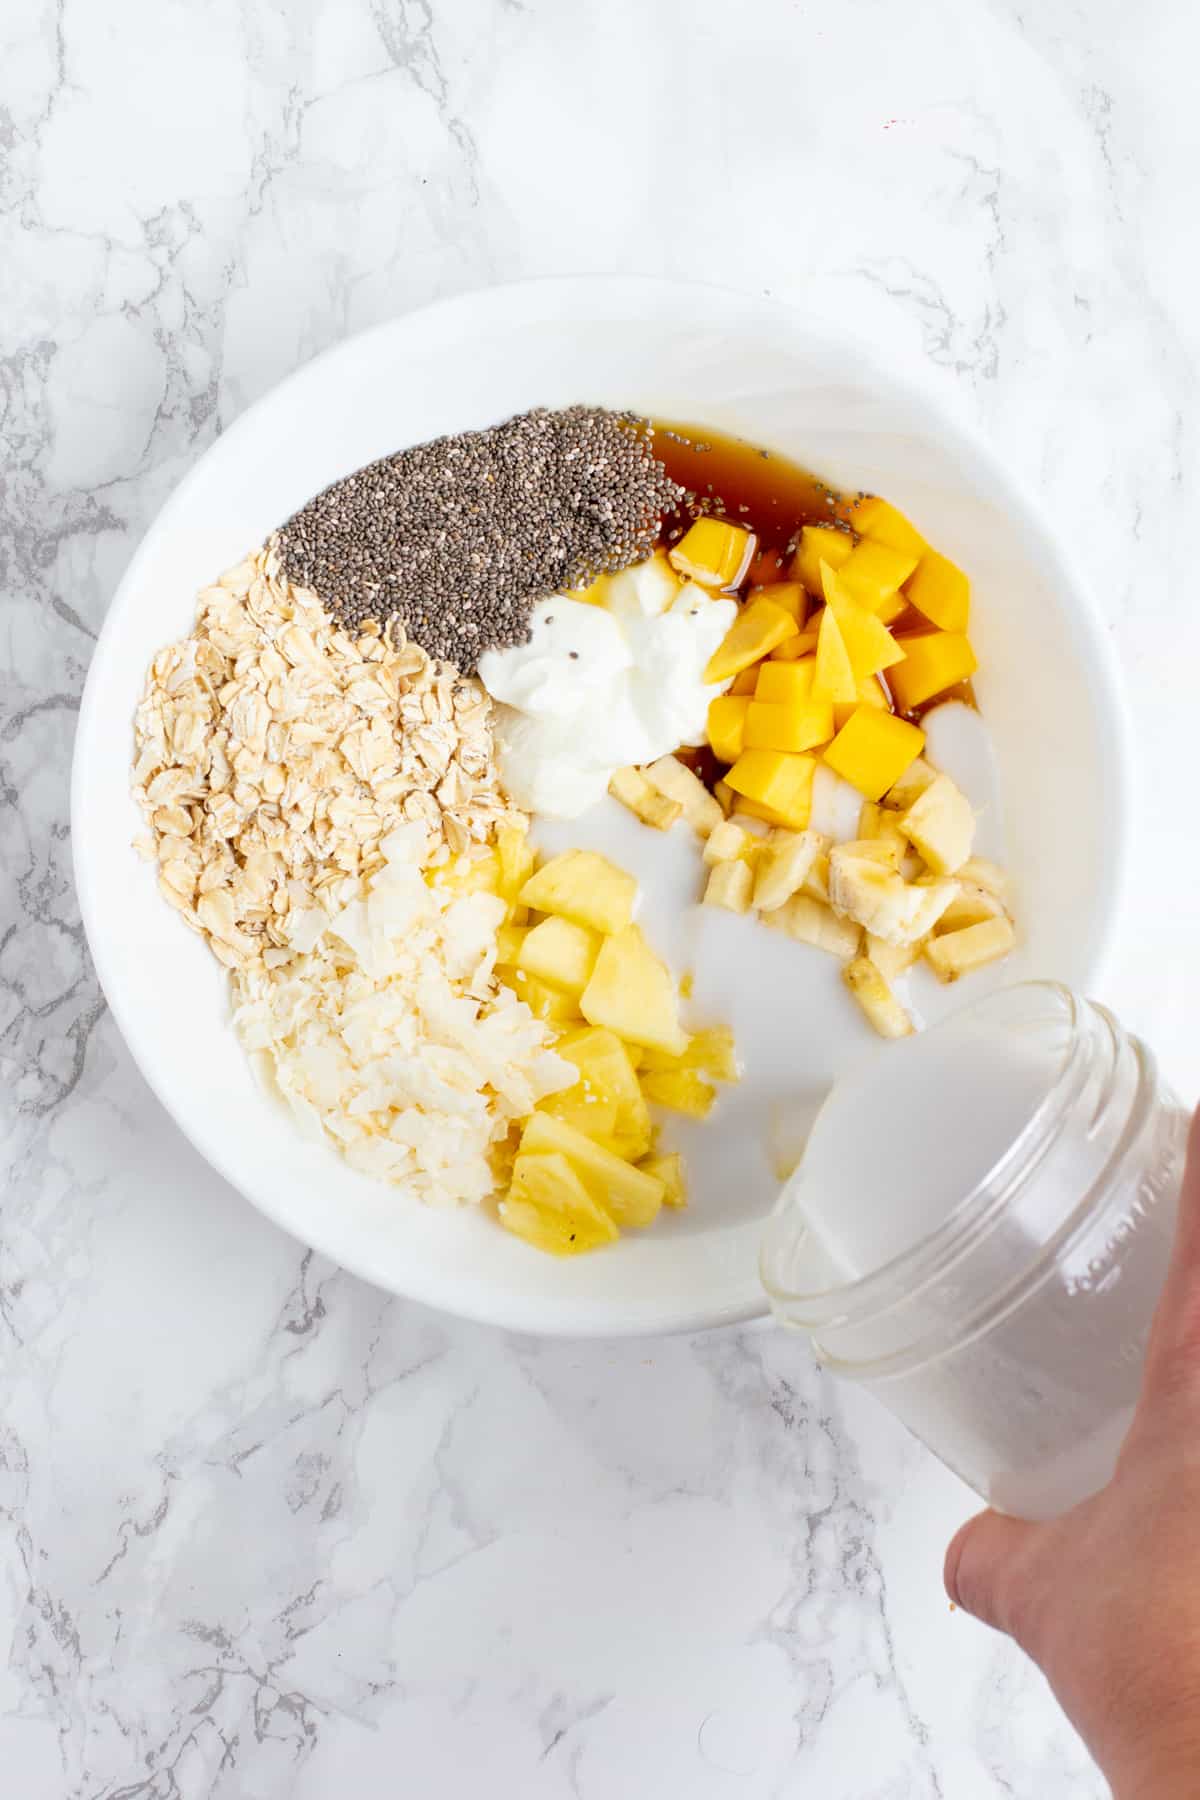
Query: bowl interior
{"points": [[1047, 693]]}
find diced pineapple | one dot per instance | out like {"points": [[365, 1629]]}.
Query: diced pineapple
{"points": [[711, 1052], [779, 783], [743, 683], [876, 998], [714, 553], [516, 858], [772, 725], [560, 952], [873, 749], [723, 795], [583, 886], [754, 633], [727, 843], [868, 819], [729, 885], [933, 662], [783, 866], [588, 1112], [869, 644], [820, 543], [961, 951], [872, 517], [509, 939], [727, 726], [941, 826], [987, 875], [631, 992], [940, 591], [681, 1090], [609, 1069], [915, 779], [892, 960], [631, 788], [553, 1005], [477, 873], [833, 678], [813, 923], [873, 571], [970, 906], [677, 782], [629, 1195], [668, 1170], [549, 1206], [788, 594]]}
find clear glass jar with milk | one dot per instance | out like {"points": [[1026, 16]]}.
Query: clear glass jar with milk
{"points": [[979, 1232]]}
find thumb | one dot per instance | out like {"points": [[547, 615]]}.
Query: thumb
{"points": [[986, 1569], [1173, 1353]]}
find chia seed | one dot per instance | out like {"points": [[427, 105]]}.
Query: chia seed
{"points": [[457, 539]]}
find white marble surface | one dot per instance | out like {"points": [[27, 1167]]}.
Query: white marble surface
{"points": [[263, 1531]]}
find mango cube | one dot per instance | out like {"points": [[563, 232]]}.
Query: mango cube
{"points": [[631, 992], [606, 1069], [790, 595], [628, 1195], [874, 518], [727, 726], [789, 683], [941, 592], [560, 952], [778, 782], [933, 662], [873, 749], [668, 1170], [871, 692], [549, 1206], [869, 644], [873, 572], [833, 678], [714, 553], [743, 683], [774, 726], [754, 634], [585, 887], [818, 544]]}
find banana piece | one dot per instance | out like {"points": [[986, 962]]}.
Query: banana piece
{"points": [[940, 826], [867, 888]]}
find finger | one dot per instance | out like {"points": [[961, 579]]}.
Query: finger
{"points": [[986, 1569], [1173, 1353]]}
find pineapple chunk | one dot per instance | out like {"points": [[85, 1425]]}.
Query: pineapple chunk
{"points": [[892, 960], [784, 865], [551, 1209], [723, 795], [941, 826], [553, 1005], [509, 939], [608, 1069], [629, 1195], [668, 1170], [872, 517], [941, 591], [714, 553], [875, 896], [873, 749], [971, 906], [585, 887], [833, 678], [869, 644], [711, 1052], [588, 1112], [820, 543], [631, 788], [754, 633], [961, 951], [631, 992], [516, 858], [729, 885], [773, 726], [813, 923], [681, 1090], [560, 952], [676, 781], [779, 783], [727, 843], [727, 726], [876, 998], [788, 594], [469, 874], [915, 779], [987, 875], [933, 662], [868, 819], [874, 571]]}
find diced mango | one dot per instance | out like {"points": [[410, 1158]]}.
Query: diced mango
{"points": [[743, 683], [560, 952], [941, 592], [631, 992], [933, 661], [869, 644], [834, 675], [553, 1005], [873, 572], [549, 1206], [668, 1170], [714, 552], [873, 749], [789, 683], [820, 543], [727, 726], [627, 1194], [516, 858], [774, 726], [874, 518], [790, 595], [754, 633], [777, 781], [871, 692], [583, 886], [607, 1067]]}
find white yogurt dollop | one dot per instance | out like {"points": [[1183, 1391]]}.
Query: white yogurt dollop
{"points": [[594, 690]]}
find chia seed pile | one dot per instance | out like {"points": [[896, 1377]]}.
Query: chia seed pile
{"points": [[458, 539]]}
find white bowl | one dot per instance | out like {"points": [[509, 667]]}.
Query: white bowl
{"points": [[1047, 689]]}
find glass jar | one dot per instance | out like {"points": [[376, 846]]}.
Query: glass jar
{"points": [[979, 1233]]}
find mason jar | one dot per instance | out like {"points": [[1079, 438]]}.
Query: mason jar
{"points": [[979, 1232]]}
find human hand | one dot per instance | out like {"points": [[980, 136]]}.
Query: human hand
{"points": [[1106, 1599]]}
